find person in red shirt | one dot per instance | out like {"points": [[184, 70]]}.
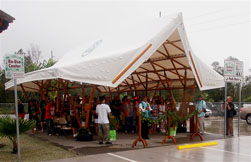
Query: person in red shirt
{"points": [[49, 114], [21, 111]]}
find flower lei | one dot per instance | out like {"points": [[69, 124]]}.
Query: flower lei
{"points": [[175, 118]]}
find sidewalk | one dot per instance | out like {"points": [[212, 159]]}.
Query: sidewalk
{"points": [[123, 143], [230, 149]]}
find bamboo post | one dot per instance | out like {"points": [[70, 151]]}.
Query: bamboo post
{"points": [[155, 91], [170, 92], [110, 92], [139, 139], [183, 107], [168, 133], [196, 132], [25, 94], [146, 83], [83, 97], [62, 107], [131, 64], [72, 105], [41, 90], [58, 95], [89, 107]]}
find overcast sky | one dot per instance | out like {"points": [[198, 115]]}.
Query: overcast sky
{"points": [[216, 29]]}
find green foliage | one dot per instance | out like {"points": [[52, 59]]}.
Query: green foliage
{"points": [[168, 114], [113, 122], [32, 63], [8, 129], [38, 66], [248, 99]]}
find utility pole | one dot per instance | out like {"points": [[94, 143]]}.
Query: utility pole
{"points": [[52, 55]]}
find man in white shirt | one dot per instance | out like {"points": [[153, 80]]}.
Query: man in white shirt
{"points": [[103, 110]]}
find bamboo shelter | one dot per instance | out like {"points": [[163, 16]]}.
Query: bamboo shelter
{"points": [[147, 55]]}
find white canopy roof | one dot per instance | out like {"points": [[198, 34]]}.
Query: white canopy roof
{"points": [[155, 52]]}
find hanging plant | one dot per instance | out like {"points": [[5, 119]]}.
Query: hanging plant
{"points": [[114, 123]]}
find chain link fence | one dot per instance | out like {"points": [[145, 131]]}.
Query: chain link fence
{"points": [[9, 108]]}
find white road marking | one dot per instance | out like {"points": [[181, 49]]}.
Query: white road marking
{"points": [[121, 157], [226, 151]]}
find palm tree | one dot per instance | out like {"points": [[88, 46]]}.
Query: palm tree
{"points": [[8, 129]]}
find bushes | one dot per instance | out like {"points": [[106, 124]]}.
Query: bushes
{"points": [[8, 129]]}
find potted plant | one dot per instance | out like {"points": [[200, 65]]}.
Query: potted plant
{"points": [[114, 125]]}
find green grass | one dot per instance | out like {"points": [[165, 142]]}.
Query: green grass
{"points": [[33, 150]]}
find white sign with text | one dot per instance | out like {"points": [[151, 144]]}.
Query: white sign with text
{"points": [[14, 66]]}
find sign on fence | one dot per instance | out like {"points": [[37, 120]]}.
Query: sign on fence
{"points": [[14, 66]]}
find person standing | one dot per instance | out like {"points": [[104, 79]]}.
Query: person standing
{"points": [[116, 104], [162, 111], [21, 112], [230, 115], [73, 114], [128, 109], [33, 111], [201, 107], [96, 102], [103, 110], [42, 105], [146, 108], [154, 115], [49, 114]]}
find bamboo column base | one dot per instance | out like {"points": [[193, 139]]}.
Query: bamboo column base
{"points": [[145, 144], [196, 134], [196, 131], [168, 137]]}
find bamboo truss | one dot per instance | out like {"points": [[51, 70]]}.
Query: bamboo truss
{"points": [[152, 75]]}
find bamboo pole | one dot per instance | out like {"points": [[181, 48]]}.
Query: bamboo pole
{"points": [[41, 91], [183, 105], [25, 94], [58, 95], [62, 107], [89, 106], [146, 84], [63, 103], [83, 97], [131, 64], [72, 105], [155, 92], [170, 92]]}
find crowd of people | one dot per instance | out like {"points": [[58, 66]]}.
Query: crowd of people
{"points": [[124, 110]]}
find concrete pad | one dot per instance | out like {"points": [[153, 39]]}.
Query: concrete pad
{"points": [[227, 150]]}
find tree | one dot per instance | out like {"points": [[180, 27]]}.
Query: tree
{"points": [[8, 129], [34, 53], [216, 66], [32, 62]]}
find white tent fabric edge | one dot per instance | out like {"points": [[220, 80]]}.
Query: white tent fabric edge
{"points": [[206, 78]]}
